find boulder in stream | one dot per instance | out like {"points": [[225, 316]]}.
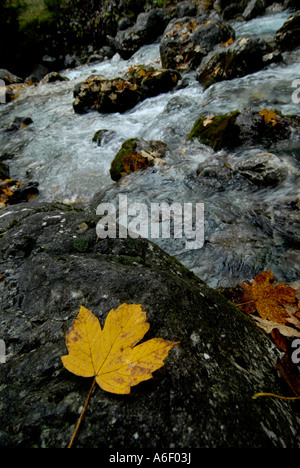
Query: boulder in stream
{"points": [[19, 123], [288, 36], [263, 169], [149, 25], [246, 127], [186, 8], [123, 93], [137, 154], [200, 398], [244, 56], [187, 40], [103, 136]]}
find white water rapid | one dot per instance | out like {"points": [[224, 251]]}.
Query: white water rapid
{"points": [[240, 239]]}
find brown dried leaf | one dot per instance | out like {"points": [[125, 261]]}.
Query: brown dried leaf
{"points": [[269, 299]]}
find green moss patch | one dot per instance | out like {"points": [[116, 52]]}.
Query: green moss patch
{"points": [[219, 131]]}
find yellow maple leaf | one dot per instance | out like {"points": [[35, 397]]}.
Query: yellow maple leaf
{"points": [[110, 355], [270, 116], [228, 43]]}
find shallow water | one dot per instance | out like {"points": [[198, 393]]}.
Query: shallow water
{"points": [[58, 152]]}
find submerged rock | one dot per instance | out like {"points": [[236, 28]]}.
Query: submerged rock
{"points": [[263, 169], [136, 154], [242, 57], [247, 127], [18, 123], [103, 136], [200, 398], [258, 169]]}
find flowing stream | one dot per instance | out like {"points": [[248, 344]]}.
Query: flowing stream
{"points": [[241, 236]]}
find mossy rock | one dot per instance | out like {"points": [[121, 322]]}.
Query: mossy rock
{"points": [[247, 127], [130, 157], [103, 136], [221, 132]]}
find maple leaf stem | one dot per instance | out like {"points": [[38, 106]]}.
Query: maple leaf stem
{"points": [[276, 396], [82, 413], [243, 303]]}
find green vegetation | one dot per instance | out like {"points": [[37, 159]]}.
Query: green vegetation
{"points": [[24, 27], [32, 11], [127, 148], [30, 29], [219, 131], [81, 244]]}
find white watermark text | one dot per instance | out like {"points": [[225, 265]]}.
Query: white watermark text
{"points": [[161, 221]]}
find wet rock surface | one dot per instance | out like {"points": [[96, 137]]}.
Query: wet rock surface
{"points": [[245, 127], [148, 26], [137, 154], [244, 56], [288, 36], [186, 41], [51, 261], [52, 264], [123, 93]]}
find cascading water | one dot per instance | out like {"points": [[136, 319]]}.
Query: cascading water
{"points": [[245, 227]]}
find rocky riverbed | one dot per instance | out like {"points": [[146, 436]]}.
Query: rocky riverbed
{"points": [[185, 105]]}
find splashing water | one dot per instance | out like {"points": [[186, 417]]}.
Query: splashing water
{"points": [[246, 230]]}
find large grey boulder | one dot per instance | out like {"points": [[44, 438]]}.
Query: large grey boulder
{"points": [[148, 26], [244, 56], [247, 127], [186, 41], [52, 263]]}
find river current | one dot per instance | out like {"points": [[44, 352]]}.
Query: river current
{"points": [[242, 236]]}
